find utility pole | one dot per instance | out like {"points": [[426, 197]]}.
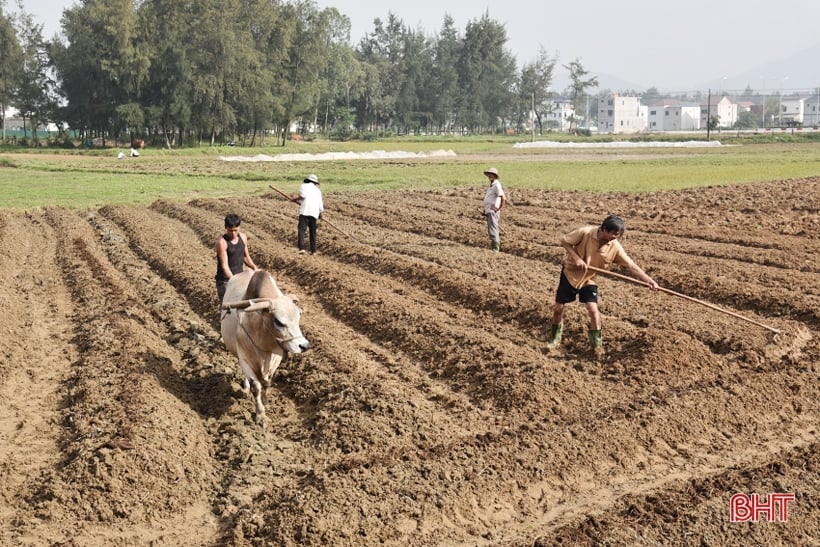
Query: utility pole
{"points": [[708, 114], [780, 115], [532, 119], [817, 110]]}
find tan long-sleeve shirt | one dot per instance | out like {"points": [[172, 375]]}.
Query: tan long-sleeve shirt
{"points": [[585, 242]]}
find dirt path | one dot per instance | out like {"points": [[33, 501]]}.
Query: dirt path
{"points": [[427, 411]]}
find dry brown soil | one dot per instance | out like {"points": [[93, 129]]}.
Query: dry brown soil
{"points": [[427, 412]]}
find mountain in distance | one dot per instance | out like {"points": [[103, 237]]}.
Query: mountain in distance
{"points": [[795, 73], [606, 82], [617, 85], [802, 69], [798, 72]]}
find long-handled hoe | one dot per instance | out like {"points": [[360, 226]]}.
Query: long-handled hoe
{"points": [[289, 198], [691, 299]]}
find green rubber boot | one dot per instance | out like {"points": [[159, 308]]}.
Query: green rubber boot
{"points": [[555, 336], [596, 340]]}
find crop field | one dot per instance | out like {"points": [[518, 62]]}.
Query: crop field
{"points": [[428, 411]]}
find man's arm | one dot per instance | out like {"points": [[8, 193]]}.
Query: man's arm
{"points": [[570, 249], [569, 242], [640, 274], [248, 260], [222, 256]]}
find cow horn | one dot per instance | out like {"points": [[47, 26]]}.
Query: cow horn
{"points": [[260, 305], [244, 304]]}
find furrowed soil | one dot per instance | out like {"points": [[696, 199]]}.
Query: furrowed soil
{"points": [[428, 411]]}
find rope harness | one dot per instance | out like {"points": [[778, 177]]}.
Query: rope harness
{"points": [[245, 330]]}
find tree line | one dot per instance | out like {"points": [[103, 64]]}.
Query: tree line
{"points": [[213, 71]]}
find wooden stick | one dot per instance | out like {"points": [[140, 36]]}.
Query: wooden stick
{"points": [[341, 231], [284, 195], [483, 214], [294, 200], [242, 304], [691, 299]]}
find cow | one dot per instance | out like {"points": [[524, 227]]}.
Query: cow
{"points": [[260, 326]]}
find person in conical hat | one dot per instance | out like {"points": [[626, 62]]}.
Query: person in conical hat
{"points": [[494, 200], [311, 206]]}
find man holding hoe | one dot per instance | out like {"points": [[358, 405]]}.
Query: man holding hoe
{"points": [[311, 207], [598, 247]]}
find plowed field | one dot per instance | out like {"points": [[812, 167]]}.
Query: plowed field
{"points": [[427, 411]]}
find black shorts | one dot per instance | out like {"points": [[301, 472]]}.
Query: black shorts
{"points": [[567, 293]]}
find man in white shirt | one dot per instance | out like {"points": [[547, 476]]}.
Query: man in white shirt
{"points": [[310, 210], [494, 200]]}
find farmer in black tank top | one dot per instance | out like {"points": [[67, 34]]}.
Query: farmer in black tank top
{"points": [[231, 254]]}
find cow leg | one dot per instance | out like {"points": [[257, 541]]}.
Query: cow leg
{"points": [[263, 397], [258, 392], [255, 387]]}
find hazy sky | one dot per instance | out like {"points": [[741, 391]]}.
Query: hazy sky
{"points": [[670, 45]]}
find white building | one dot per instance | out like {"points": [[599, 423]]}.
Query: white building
{"points": [[621, 114], [811, 111], [672, 115], [792, 111], [558, 115], [723, 108], [13, 121]]}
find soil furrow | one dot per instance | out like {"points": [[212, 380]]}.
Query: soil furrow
{"points": [[37, 351], [427, 411]]}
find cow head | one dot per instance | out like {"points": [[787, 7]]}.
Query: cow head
{"points": [[280, 317], [270, 319]]}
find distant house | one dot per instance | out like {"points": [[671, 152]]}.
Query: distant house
{"points": [[792, 111], [560, 114], [811, 111], [744, 106], [672, 115], [750, 112], [723, 108], [12, 120], [755, 109], [621, 114], [13, 124]]}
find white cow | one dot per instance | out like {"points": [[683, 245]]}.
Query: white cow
{"points": [[260, 325]]}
